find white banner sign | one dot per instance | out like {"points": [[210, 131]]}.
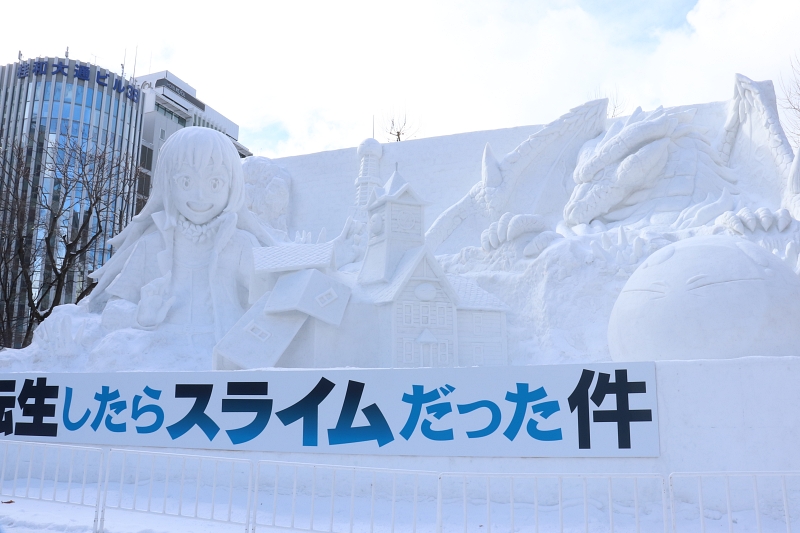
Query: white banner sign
{"points": [[597, 410]]}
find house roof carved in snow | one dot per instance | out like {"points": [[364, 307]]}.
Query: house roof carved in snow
{"points": [[289, 257], [471, 296], [396, 188], [311, 292]]}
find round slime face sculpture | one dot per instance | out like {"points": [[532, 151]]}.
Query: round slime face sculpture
{"points": [[712, 297]]}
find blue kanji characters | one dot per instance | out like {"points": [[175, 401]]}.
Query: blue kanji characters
{"points": [[60, 68], [6, 404], [82, 72], [307, 409], [377, 428], [23, 70], [101, 79], [39, 68], [522, 397], [262, 407], [417, 399], [197, 414], [623, 415], [38, 409], [138, 411], [118, 86]]}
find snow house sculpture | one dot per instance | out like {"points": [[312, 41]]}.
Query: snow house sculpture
{"points": [[310, 314]]}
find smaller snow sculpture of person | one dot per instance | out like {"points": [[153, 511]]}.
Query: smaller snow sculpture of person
{"points": [[267, 187], [185, 261]]}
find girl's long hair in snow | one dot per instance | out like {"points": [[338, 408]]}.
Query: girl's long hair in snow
{"points": [[196, 147]]}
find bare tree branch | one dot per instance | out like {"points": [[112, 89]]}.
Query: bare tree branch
{"points": [[52, 220]]}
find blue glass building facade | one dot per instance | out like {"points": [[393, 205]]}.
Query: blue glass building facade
{"points": [[46, 101]]}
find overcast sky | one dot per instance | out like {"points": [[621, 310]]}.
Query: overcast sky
{"points": [[302, 77]]}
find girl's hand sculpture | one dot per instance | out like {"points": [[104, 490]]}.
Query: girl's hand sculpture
{"points": [[155, 302]]}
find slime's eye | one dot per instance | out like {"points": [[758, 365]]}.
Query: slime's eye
{"points": [[215, 184], [185, 182]]}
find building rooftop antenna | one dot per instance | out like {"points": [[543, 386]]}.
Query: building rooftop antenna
{"points": [[135, 57]]}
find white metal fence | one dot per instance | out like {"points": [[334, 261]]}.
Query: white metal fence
{"points": [[50, 472], [558, 502], [271, 495], [340, 499], [735, 502], [217, 489]]}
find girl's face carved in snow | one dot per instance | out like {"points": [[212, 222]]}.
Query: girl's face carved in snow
{"points": [[200, 194]]}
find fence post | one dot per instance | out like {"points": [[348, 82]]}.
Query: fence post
{"points": [[101, 497], [439, 504]]}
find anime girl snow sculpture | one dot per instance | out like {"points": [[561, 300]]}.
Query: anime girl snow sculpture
{"points": [[182, 266]]}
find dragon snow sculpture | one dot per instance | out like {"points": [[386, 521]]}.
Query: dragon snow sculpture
{"points": [[532, 178], [667, 169]]}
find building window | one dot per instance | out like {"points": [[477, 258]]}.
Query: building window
{"points": [[163, 135], [477, 324], [146, 158], [441, 314], [425, 314], [443, 353], [408, 316], [408, 351]]}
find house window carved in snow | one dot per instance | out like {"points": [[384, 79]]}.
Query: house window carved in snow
{"points": [[258, 332], [477, 324], [408, 351], [327, 297], [408, 314]]}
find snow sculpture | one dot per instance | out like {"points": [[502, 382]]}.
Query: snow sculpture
{"points": [[369, 153], [181, 271], [544, 260], [267, 188], [685, 302], [644, 182], [403, 309], [530, 179]]}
